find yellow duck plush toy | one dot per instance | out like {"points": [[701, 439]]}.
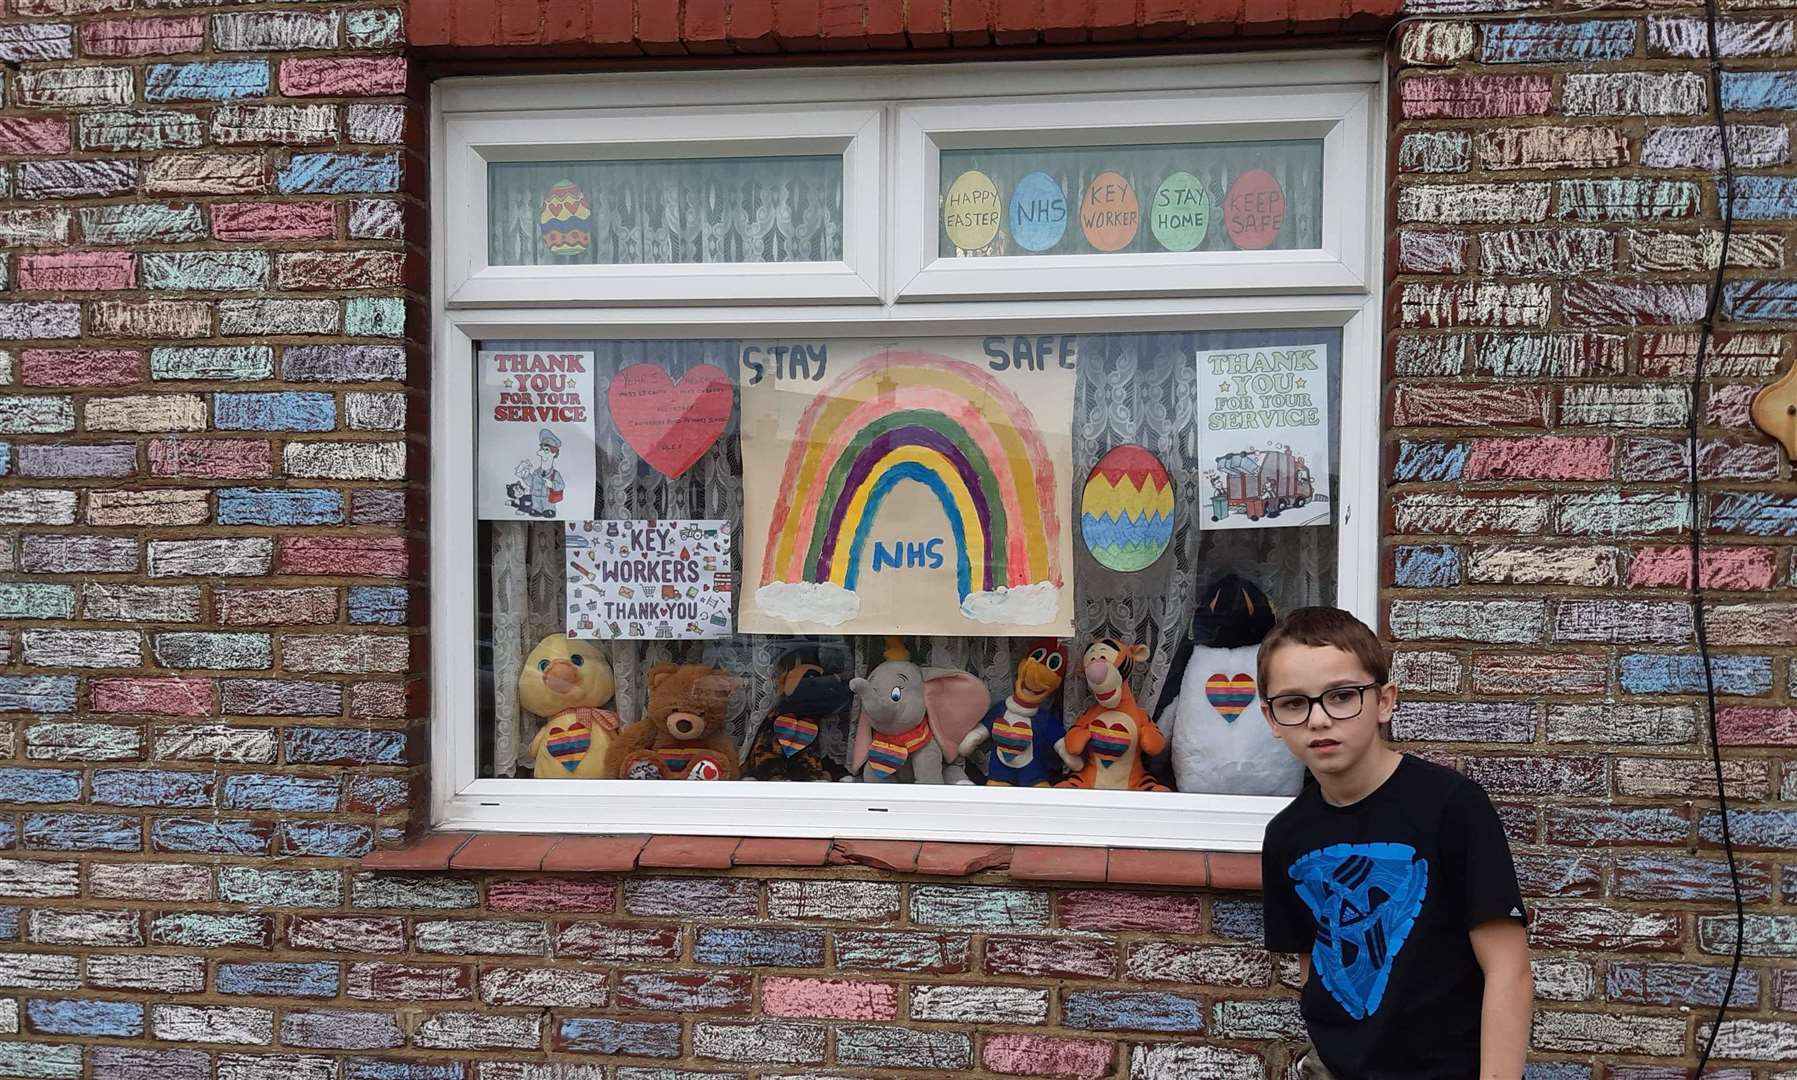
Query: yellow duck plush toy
{"points": [[568, 683]]}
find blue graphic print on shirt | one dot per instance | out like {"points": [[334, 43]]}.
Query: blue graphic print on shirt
{"points": [[1364, 898]]}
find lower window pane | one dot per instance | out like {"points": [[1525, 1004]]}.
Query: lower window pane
{"points": [[1238, 430]]}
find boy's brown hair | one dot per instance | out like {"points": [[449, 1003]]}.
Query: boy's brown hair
{"points": [[1324, 626]]}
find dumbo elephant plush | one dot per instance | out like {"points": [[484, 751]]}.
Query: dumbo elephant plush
{"points": [[913, 720]]}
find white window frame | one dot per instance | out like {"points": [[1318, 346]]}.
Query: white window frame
{"points": [[473, 141], [465, 313], [1335, 115]]}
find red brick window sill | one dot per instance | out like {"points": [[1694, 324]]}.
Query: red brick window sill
{"points": [[623, 854]]}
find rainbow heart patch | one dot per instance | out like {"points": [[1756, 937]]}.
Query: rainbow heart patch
{"points": [[569, 745], [1229, 695], [793, 734], [1108, 745]]}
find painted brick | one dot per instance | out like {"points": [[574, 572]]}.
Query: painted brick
{"points": [[1523, 673], [340, 1029], [958, 1004], [1636, 93], [1467, 204], [29, 321], [343, 363], [1474, 304], [103, 1019], [1432, 406], [218, 80], [151, 787], [378, 124], [34, 135], [37, 506], [125, 1063], [684, 993], [488, 937], [1115, 910], [1762, 935], [1676, 36], [215, 836], [258, 222], [1426, 567], [1595, 303], [74, 87], [1673, 877], [1668, 725], [339, 174], [894, 1047], [1671, 777], [478, 1031], [1459, 515], [1269, 1018], [1702, 250], [274, 506], [388, 981], [37, 693], [148, 881], [1173, 1061], [278, 411], [30, 228], [1430, 97], [599, 1035], [216, 742], [350, 933], [133, 224], [139, 130], [277, 979], [1654, 673], [279, 317], [1681, 147], [1458, 722], [1574, 1032], [221, 459], [40, 971], [165, 696], [271, 31], [343, 77], [1429, 461], [1758, 91], [977, 907], [376, 219], [1556, 41], [1118, 1010], [281, 697], [1436, 44], [1561, 252], [1544, 458], [278, 125], [75, 271], [26, 42], [36, 414], [153, 36], [81, 741], [544, 988], [1435, 151], [346, 460], [1042, 1055], [205, 174], [245, 557], [162, 507], [140, 603]]}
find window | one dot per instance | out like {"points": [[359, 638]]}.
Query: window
{"points": [[728, 409]]}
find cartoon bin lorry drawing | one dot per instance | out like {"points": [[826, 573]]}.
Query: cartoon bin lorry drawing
{"points": [[1261, 483]]}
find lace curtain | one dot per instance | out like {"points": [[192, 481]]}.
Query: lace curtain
{"points": [[1133, 388], [785, 209]]}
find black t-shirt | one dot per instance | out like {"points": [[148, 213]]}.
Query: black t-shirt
{"points": [[1382, 895]]}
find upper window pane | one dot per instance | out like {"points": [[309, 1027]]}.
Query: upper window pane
{"points": [[1235, 196], [685, 210]]}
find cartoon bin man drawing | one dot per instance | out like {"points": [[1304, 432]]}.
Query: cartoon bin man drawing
{"points": [[542, 484]]}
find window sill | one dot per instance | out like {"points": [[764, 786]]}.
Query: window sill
{"points": [[623, 854]]}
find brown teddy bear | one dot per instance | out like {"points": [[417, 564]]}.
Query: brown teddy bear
{"points": [[681, 736]]}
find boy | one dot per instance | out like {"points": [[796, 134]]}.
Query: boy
{"points": [[1390, 874]]}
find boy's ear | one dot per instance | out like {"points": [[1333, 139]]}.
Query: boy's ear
{"points": [[1388, 703]]}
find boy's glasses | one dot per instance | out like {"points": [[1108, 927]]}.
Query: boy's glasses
{"points": [[1341, 703]]}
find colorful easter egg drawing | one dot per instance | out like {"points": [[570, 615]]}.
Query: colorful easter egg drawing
{"points": [[1109, 213], [970, 211], [565, 224], [1038, 214], [1180, 215], [1253, 210], [1126, 509]]}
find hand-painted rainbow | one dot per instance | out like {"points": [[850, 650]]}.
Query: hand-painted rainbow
{"points": [[945, 424]]}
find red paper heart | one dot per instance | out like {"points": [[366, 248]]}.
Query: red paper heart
{"points": [[671, 424]]}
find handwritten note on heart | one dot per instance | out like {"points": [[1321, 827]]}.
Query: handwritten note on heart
{"points": [[1229, 696], [671, 424]]}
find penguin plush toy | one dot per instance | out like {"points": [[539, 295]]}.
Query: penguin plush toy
{"points": [[1217, 739]]}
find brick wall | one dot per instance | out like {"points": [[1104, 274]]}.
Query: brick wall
{"points": [[1556, 228], [208, 221]]}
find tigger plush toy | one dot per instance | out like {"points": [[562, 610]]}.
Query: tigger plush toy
{"points": [[1107, 745]]}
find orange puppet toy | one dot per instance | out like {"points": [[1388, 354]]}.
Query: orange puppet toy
{"points": [[1106, 746]]}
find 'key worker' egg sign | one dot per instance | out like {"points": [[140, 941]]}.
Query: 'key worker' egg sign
{"points": [[1110, 214], [1253, 210]]}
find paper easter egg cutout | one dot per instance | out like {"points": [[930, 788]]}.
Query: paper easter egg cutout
{"points": [[1254, 210], [1126, 509], [970, 211], [1180, 215], [1038, 214], [1109, 213], [565, 225]]}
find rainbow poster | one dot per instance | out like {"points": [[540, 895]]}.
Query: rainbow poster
{"points": [[922, 488]]}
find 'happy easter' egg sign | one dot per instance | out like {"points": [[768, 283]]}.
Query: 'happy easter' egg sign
{"points": [[970, 211], [1126, 509]]}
